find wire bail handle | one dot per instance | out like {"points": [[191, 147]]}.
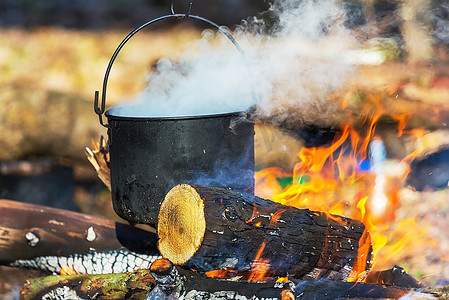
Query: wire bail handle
{"points": [[100, 108]]}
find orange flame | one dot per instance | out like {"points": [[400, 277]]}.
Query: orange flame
{"points": [[259, 267], [331, 179], [257, 272], [276, 216], [253, 216], [219, 273], [70, 270]]}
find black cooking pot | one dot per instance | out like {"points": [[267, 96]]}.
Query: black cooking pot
{"points": [[149, 155]]}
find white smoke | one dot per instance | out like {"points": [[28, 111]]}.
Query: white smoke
{"points": [[292, 67]]}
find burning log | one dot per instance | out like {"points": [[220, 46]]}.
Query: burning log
{"points": [[213, 228], [176, 283], [58, 241], [171, 283], [166, 281]]}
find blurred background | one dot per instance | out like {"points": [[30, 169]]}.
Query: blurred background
{"points": [[117, 14], [53, 54]]}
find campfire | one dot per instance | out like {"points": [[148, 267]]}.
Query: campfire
{"points": [[215, 212], [352, 177]]}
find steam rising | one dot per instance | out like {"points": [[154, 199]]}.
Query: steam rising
{"points": [[292, 67]]}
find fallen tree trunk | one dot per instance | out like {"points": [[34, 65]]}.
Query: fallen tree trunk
{"points": [[58, 240], [37, 122], [213, 228]]}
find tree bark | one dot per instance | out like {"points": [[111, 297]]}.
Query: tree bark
{"points": [[212, 228], [54, 240], [133, 285]]}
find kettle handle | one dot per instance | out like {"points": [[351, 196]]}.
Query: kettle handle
{"points": [[100, 109]]}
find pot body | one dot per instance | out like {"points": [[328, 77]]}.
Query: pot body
{"points": [[148, 156]]}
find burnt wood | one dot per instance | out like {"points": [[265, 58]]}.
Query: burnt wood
{"points": [[395, 276], [176, 283], [166, 281], [54, 239], [329, 290], [242, 232]]}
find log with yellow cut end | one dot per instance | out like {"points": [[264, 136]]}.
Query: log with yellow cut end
{"points": [[214, 228]]}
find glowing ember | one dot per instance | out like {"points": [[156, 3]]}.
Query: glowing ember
{"points": [[275, 217], [220, 273], [68, 271], [257, 272]]}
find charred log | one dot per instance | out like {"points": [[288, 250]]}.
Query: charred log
{"points": [[166, 281], [430, 172], [212, 228], [55, 240], [176, 283], [395, 276], [328, 289]]}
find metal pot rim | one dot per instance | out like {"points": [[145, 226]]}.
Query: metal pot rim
{"points": [[111, 116]]}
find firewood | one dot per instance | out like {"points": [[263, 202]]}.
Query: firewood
{"points": [[328, 289], [58, 240], [166, 281], [395, 276], [133, 285], [173, 282], [176, 283], [213, 228], [99, 158]]}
